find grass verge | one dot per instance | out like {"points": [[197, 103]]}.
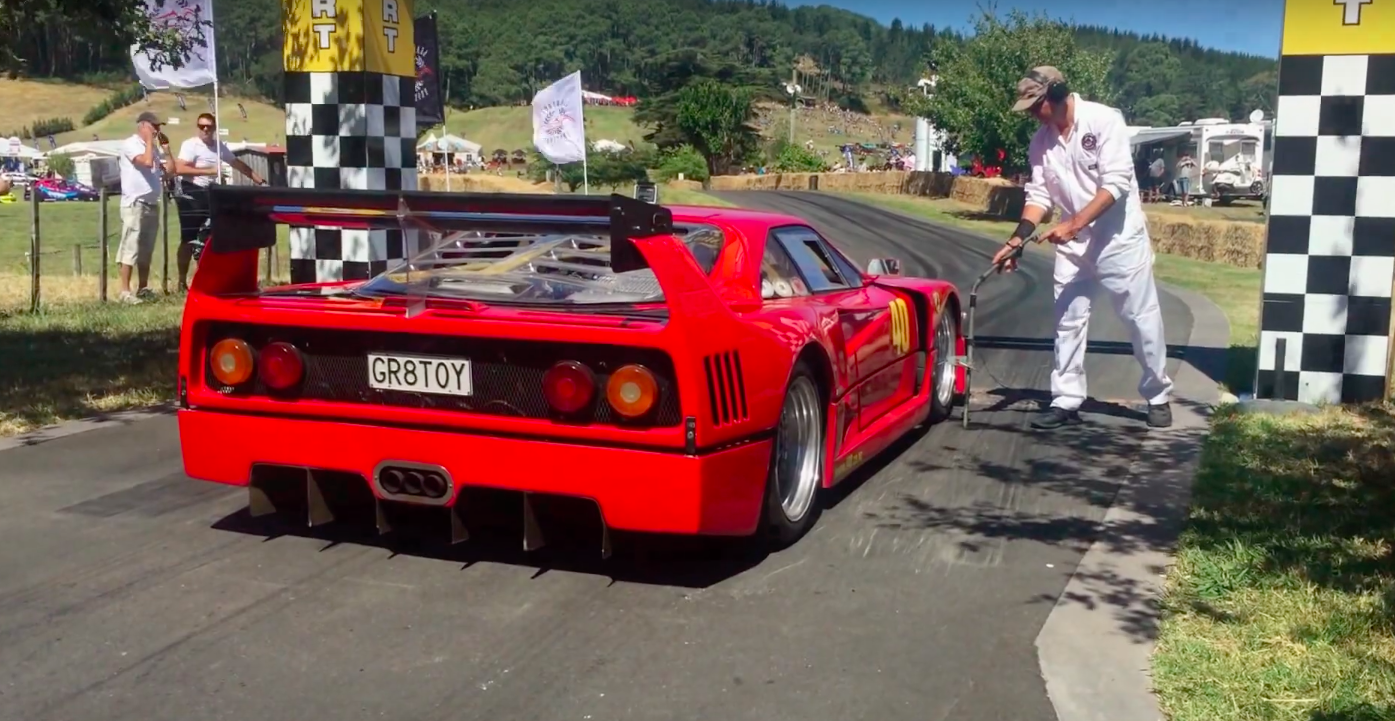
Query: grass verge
{"points": [[670, 195], [1234, 290], [1281, 605], [86, 359]]}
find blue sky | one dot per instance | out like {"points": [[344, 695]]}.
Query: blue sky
{"points": [[1250, 26]]}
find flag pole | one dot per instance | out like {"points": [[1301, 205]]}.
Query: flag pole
{"points": [[585, 172], [217, 114]]}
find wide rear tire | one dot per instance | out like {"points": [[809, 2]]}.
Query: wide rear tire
{"points": [[795, 479]]}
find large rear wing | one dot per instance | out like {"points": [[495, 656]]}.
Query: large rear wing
{"points": [[244, 218]]}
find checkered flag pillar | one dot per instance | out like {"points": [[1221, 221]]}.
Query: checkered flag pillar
{"points": [[350, 125], [1329, 265]]}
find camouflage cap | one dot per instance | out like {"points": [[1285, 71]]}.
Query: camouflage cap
{"points": [[1031, 89]]}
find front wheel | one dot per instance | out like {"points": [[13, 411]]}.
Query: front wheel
{"points": [[796, 462], [943, 375]]}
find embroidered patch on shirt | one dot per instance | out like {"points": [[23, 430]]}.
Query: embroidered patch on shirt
{"points": [[1089, 141]]}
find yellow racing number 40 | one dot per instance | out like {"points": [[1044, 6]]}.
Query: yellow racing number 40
{"points": [[900, 326]]}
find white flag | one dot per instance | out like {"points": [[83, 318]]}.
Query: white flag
{"points": [[182, 16], [558, 132]]}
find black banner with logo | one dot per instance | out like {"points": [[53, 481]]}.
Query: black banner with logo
{"points": [[430, 109]]}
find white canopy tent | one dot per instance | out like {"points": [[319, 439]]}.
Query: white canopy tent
{"points": [[21, 151], [1153, 135], [448, 144], [111, 148]]}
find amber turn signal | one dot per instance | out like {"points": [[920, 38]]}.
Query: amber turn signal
{"points": [[231, 360], [632, 391]]}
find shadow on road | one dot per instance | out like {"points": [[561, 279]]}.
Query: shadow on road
{"points": [[1216, 364], [572, 530], [1112, 461]]}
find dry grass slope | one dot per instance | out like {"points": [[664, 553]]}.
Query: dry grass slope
{"points": [[22, 102], [265, 123]]}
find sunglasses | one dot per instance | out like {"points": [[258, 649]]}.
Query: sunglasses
{"points": [[205, 127]]}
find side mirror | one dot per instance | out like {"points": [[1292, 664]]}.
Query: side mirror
{"points": [[884, 266]]}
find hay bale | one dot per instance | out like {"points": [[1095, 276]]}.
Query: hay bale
{"points": [[481, 183], [928, 184], [1233, 243], [995, 196]]}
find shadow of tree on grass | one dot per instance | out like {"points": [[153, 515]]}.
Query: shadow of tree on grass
{"points": [[82, 361]]}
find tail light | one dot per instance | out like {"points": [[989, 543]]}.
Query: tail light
{"points": [[569, 386], [231, 360], [281, 366], [632, 391]]}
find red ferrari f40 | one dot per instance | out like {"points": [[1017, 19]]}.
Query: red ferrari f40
{"points": [[690, 370]]}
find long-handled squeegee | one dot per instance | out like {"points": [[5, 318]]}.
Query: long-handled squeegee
{"points": [[973, 304]]}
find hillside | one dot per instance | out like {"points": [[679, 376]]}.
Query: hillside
{"points": [[508, 128], [500, 52], [264, 123]]}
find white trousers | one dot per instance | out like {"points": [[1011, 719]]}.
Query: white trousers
{"points": [[1125, 271]]}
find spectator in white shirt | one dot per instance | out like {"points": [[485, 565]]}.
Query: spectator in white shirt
{"points": [[145, 159], [1081, 164], [198, 164]]}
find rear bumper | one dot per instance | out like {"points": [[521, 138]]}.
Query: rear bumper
{"points": [[718, 493]]}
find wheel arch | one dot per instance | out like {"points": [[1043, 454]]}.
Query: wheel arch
{"points": [[816, 357]]}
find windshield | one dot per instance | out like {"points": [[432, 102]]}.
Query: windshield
{"points": [[571, 268]]}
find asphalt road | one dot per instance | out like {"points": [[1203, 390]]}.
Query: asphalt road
{"points": [[128, 591]]}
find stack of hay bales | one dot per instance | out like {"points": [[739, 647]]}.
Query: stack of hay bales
{"points": [[481, 183], [993, 196], [1240, 244], [893, 183]]}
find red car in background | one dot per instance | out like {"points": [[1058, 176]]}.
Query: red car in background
{"points": [[690, 370]]}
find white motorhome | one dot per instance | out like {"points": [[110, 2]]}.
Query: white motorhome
{"points": [[1233, 158]]}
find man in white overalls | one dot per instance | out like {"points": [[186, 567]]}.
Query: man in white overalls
{"points": [[1082, 163]]}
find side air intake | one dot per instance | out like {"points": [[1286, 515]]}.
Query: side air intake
{"points": [[726, 387]]}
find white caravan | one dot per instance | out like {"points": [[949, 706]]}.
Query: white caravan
{"points": [[1233, 157]]}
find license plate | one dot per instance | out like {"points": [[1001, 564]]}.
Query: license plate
{"points": [[420, 374]]}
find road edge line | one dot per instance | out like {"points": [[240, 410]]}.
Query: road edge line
{"points": [[66, 429], [1094, 652]]}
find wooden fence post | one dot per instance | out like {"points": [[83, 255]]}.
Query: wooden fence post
{"points": [[102, 246], [165, 242], [77, 259], [34, 249]]}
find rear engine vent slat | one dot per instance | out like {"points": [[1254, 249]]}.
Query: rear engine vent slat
{"points": [[726, 387]]}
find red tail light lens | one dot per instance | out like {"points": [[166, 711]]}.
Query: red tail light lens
{"points": [[569, 386], [281, 366]]}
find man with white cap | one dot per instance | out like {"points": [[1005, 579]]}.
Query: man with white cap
{"points": [[1082, 163]]}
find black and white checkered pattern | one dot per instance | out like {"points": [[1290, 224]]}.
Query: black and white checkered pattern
{"points": [[1330, 261], [348, 130]]}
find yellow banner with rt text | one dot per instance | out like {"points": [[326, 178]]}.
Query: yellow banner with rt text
{"points": [[389, 37], [323, 36], [1338, 27]]}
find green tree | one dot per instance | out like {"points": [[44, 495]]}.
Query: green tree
{"points": [[682, 160], [123, 21], [793, 158], [1157, 110], [717, 120], [978, 79]]}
